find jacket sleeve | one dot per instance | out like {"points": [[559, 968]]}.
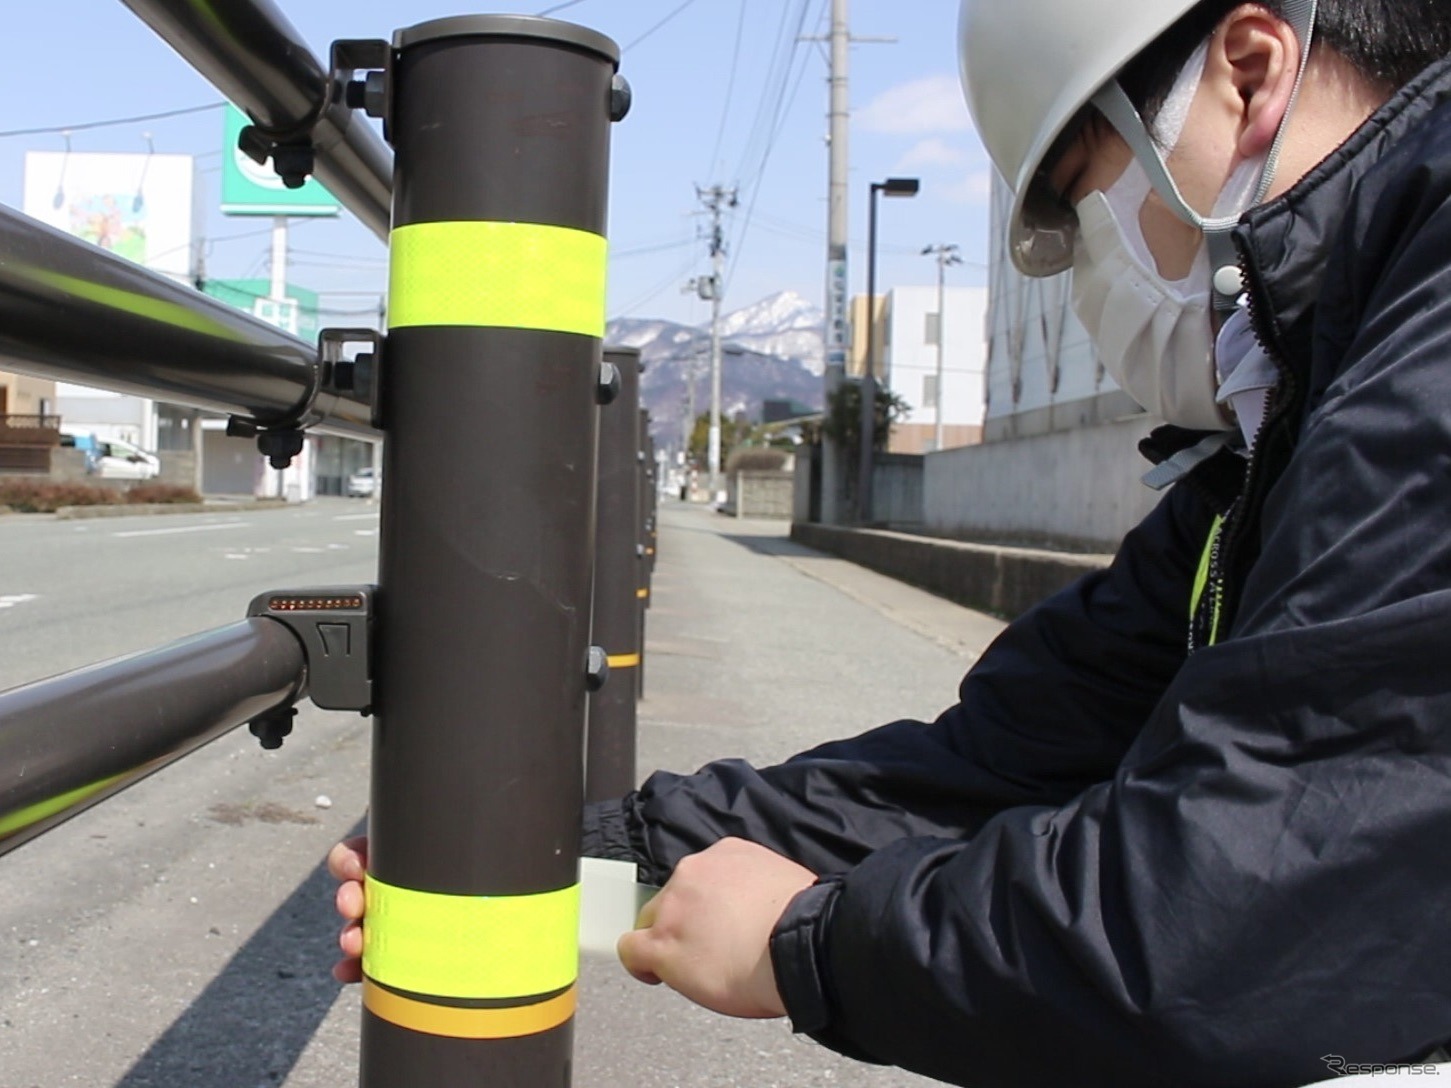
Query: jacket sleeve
{"points": [[1260, 890], [1050, 708]]}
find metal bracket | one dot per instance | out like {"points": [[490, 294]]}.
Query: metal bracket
{"points": [[356, 378], [596, 669], [293, 156], [278, 444], [374, 92], [607, 390], [334, 625]]}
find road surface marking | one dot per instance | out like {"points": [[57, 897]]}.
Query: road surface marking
{"points": [[356, 517], [180, 529], [11, 600]]}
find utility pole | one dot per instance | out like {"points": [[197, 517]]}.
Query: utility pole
{"points": [[946, 254], [716, 199], [839, 41], [836, 243]]}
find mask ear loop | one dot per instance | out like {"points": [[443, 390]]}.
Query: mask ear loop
{"points": [[1120, 112]]}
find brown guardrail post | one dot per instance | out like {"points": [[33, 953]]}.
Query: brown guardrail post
{"points": [[500, 129], [610, 751]]}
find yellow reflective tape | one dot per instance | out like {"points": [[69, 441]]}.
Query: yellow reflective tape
{"points": [[1201, 577], [472, 946], [623, 661], [468, 1023], [642, 593], [137, 305], [42, 810], [497, 275]]}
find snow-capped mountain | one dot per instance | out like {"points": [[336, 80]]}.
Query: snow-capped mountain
{"points": [[783, 324], [771, 351]]}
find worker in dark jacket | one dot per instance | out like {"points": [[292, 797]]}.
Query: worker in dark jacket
{"points": [[1187, 823]]}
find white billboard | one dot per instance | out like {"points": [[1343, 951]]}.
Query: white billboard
{"points": [[142, 207]]}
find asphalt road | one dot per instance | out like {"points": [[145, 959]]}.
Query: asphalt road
{"points": [[180, 934]]}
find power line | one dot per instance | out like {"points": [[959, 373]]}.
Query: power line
{"points": [[346, 257], [115, 121], [778, 124], [657, 26], [768, 89], [640, 251], [659, 289], [730, 88], [560, 7]]}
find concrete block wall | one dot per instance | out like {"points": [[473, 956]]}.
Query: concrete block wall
{"points": [[68, 465], [897, 496], [1077, 490], [1000, 580], [762, 494]]}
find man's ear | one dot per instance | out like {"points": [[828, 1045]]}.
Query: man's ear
{"points": [[1261, 56]]}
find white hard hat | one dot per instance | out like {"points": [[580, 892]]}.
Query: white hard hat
{"points": [[1029, 67]]}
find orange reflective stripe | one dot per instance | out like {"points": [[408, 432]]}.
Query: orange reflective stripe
{"points": [[459, 1023]]}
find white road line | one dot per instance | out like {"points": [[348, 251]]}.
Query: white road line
{"points": [[12, 599], [181, 529], [365, 532], [356, 517]]}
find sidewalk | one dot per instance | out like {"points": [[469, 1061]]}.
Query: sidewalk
{"points": [[758, 647]]}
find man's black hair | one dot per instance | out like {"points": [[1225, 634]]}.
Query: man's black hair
{"points": [[1387, 41]]}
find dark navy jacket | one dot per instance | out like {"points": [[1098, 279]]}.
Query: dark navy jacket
{"points": [[1117, 862]]}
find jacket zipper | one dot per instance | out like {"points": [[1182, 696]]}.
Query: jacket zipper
{"points": [[1204, 626]]}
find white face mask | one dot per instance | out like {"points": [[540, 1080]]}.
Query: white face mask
{"points": [[1154, 336]]}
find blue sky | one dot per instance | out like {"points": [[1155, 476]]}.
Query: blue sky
{"points": [[694, 121]]}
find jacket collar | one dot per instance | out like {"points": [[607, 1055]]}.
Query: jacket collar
{"points": [[1284, 245]]}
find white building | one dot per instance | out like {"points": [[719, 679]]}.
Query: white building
{"points": [[909, 332], [1042, 372], [1059, 462]]}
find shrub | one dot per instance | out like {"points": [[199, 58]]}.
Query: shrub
{"points": [[756, 459], [44, 497], [161, 493]]}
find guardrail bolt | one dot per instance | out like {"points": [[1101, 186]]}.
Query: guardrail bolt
{"points": [[271, 728]]}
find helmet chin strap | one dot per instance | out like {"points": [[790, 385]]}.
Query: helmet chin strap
{"points": [[1116, 108]]}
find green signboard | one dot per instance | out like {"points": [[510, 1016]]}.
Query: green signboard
{"points": [[297, 313], [250, 189]]}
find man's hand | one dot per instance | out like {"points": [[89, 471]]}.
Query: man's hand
{"points": [[707, 934], [348, 862]]}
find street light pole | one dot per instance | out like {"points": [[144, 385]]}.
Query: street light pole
{"points": [[901, 187], [946, 254]]}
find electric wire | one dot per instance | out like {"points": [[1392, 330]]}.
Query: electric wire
{"points": [[778, 124], [640, 251], [560, 7], [659, 289], [113, 122], [658, 25], [730, 86], [769, 89]]}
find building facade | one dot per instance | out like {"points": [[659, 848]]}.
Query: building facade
{"points": [[909, 331]]}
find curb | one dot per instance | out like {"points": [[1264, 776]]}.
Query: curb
{"points": [[1002, 581], [126, 510]]}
